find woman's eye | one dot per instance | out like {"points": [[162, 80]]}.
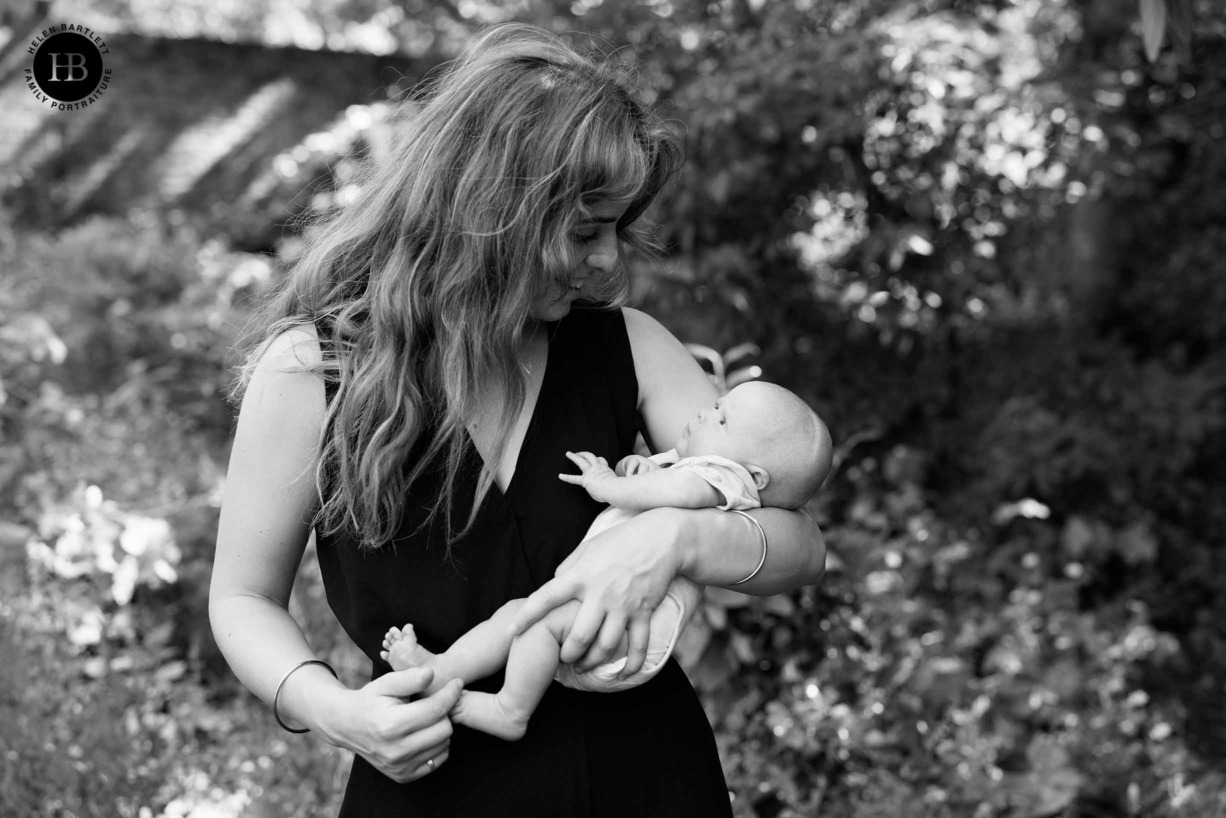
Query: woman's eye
{"points": [[585, 238]]}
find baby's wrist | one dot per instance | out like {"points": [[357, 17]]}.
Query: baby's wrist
{"points": [[603, 487]]}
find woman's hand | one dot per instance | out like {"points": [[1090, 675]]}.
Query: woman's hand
{"points": [[400, 738], [619, 577]]}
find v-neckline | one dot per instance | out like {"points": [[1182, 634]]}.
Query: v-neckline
{"points": [[504, 493]]}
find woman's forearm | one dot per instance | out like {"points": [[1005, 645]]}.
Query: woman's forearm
{"points": [[720, 548], [261, 642]]}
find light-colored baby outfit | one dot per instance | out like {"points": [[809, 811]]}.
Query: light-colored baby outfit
{"points": [[735, 483]]}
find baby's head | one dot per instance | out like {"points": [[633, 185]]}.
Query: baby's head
{"points": [[772, 433]]}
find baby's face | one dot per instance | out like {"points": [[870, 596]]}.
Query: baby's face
{"points": [[732, 427]]}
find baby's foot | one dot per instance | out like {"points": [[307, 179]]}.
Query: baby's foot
{"points": [[401, 650]]}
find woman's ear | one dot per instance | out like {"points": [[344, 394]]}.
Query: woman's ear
{"points": [[761, 477]]}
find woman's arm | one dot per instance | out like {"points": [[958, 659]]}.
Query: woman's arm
{"points": [[715, 548], [621, 575], [270, 496]]}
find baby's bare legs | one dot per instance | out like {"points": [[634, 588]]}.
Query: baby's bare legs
{"points": [[531, 659], [479, 653]]}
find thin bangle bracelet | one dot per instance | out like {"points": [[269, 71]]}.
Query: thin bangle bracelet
{"points": [[762, 532], [277, 696]]}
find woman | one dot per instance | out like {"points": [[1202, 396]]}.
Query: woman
{"points": [[435, 352]]}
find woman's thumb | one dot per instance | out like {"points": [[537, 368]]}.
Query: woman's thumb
{"points": [[403, 683]]}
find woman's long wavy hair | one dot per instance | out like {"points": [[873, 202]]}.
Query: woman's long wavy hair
{"points": [[425, 284]]}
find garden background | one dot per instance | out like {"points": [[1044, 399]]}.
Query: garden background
{"points": [[986, 240]]}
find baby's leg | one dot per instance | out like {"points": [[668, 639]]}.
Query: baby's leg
{"points": [[531, 665], [477, 654]]}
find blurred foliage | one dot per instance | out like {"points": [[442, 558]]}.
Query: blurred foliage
{"points": [[984, 239]]}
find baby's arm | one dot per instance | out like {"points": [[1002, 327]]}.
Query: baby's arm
{"points": [[675, 488]]}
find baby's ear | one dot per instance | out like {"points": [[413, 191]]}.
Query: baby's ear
{"points": [[761, 477]]}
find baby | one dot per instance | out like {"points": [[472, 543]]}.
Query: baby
{"points": [[758, 445]]}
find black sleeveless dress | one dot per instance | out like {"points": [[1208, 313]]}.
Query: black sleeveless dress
{"points": [[642, 752]]}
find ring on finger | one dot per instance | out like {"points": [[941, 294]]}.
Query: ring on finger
{"points": [[430, 764]]}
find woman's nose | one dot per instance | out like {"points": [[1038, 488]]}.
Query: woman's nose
{"points": [[603, 256]]}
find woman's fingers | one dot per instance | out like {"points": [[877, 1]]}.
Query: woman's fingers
{"points": [[553, 593], [401, 684], [438, 753], [421, 722], [419, 731], [434, 759], [636, 647], [583, 632], [607, 640], [420, 765], [435, 734], [433, 709]]}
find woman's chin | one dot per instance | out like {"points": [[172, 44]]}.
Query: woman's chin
{"points": [[554, 311]]}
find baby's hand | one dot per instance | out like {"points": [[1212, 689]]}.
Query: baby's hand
{"points": [[633, 464], [595, 472]]}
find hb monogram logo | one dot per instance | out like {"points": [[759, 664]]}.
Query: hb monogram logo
{"points": [[71, 62], [68, 71]]}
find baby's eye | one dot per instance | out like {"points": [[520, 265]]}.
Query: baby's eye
{"points": [[722, 422]]}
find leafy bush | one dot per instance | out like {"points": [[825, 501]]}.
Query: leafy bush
{"points": [[116, 701]]}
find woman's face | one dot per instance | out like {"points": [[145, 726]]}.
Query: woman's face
{"points": [[594, 253]]}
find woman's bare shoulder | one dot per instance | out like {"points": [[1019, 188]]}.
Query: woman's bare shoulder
{"points": [[292, 349], [643, 329], [285, 382]]}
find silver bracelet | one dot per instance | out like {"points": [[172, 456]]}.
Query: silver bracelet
{"points": [[762, 532], [277, 696]]}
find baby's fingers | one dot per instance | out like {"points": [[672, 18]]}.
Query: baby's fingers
{"points": [[576, 479], [583, 460], [630, 465]]}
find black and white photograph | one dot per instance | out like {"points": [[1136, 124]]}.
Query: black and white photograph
{"points": [[612, 408]]}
